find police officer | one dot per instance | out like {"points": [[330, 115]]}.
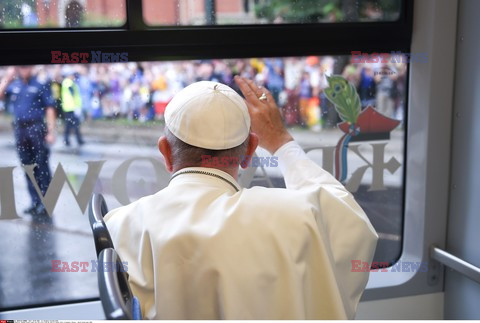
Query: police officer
{"points": [[32, 106]]}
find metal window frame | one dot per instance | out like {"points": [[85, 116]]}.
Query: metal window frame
{"points": [[427, 181], [149, 43]]}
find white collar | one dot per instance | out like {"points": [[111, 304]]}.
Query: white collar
{"points": [[207, 171]]}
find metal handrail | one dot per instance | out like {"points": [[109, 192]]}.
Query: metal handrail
{"points": [[455, 263]]}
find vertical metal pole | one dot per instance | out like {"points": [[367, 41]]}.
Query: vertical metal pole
{"points": [[210, 12], [135, 15], [350, 10], [177, 13], [246, 6]]}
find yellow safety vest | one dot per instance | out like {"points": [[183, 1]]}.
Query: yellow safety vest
{"points": [[70, 101]]}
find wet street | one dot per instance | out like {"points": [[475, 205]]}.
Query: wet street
{"points": [[132, 167]]}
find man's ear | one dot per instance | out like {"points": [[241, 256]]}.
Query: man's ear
{"points": [[252, 146], [166, 151]]}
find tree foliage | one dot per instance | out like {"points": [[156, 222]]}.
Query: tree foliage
{"points": [[312, 11], [301, 11]]}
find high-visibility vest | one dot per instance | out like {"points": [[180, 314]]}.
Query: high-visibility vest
{"points": [[71, 98]]}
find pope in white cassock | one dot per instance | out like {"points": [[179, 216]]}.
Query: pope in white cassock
{"points": [[206, 248]]}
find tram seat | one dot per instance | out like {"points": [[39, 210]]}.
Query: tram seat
{"points": [[97, 209], [116, 296]]}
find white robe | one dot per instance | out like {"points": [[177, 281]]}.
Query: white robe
{"points": [[199, 249]]}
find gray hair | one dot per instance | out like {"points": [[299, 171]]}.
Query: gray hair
{"points": [[186, 155]]}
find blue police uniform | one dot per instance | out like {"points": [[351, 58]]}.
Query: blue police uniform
{"points": [[28, 102]]}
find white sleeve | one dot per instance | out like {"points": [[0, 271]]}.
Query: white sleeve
{"points": [[299, 170], [340, 220]]}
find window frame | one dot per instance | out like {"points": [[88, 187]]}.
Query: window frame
{"points": [[427, 160], [147, 43], [155, 43]]}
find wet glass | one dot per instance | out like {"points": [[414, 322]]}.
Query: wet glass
{"points": [[33, 14], [119, 109], [240, 12]]}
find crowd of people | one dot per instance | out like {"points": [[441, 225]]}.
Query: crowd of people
{"points": [[141, 91]]}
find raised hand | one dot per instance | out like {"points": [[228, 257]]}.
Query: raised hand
{"points": [[266, 121]]}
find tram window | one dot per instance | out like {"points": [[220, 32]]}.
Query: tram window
{"points": [[33, 14], [121, 115], [238, 12]]}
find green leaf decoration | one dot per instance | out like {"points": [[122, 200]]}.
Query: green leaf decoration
{"points": [[345, 98]]}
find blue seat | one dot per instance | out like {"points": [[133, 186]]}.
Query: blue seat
{"points": [[115, 294], [97, 209]]}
